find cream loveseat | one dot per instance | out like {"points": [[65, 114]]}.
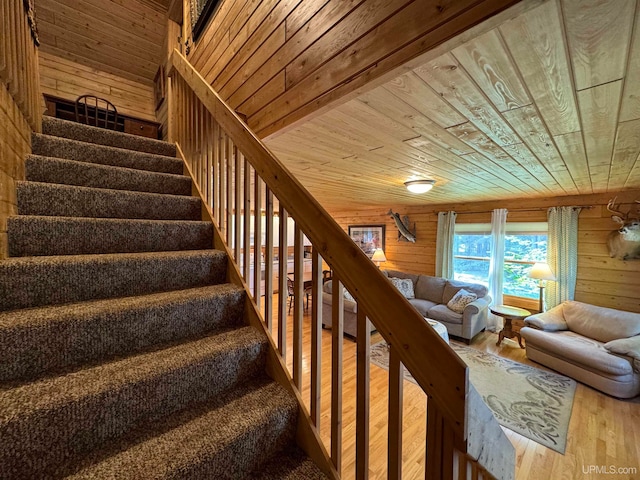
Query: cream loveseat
{"points": [[595, 345], [430, 298]]}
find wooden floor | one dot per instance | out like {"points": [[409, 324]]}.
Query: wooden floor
{"points": [[604, 432]]}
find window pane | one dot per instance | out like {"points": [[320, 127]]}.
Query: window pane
{"points": [[472, 245], [526, 247], [530, 248], [473, 270], [517, 282]]}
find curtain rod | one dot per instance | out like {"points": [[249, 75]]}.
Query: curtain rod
{"points": [[538, 209]]}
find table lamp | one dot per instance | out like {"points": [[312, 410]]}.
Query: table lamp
{"points": [[542, 273], [378, 257]]}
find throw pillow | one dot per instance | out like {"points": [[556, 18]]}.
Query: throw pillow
{"points": [[404, 285], [460, 300]]}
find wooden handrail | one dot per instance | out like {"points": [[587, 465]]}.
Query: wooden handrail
{"points": [[418, 346]]}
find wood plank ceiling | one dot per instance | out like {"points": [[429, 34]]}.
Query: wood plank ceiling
{"points": [[120, 37], [547, 104]]}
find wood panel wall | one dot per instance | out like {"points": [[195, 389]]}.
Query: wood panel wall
{"points": [[21, 105], [120, 37], [15, 144], [279, 61], [68, 79], [601, 280]]}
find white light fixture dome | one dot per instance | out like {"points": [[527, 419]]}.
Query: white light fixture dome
{"points": [[419, 186]]}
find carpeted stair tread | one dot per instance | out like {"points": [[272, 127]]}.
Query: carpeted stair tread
{"points": [[36, 341], [37, 281], [49, 146], [35, 198], [43, 235], [290, 464], [226, 438], [47, 423], [86, 133], [71, 172]]}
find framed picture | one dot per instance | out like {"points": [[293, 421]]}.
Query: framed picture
{"points": [[367, 237], [158, 86]]}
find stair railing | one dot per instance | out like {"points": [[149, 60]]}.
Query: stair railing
{"points": [[243, 186], [19, 59]]}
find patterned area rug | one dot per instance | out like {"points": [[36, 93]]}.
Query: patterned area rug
{"points": [[532, 402]]}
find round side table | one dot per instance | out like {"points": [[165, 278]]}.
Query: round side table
{"points": [[509, 314]]}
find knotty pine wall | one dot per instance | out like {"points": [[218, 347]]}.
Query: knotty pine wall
{"points": [[601, 280], [67, 79], [278, 61], [15, 144]]}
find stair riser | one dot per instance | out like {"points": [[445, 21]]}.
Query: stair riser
{"points": [[69, 172], [67, 201], [86, 152], [245, 455], [199, 443], [101, 136], [66, 431], [105, 329], [79, 236], [40, 281]]}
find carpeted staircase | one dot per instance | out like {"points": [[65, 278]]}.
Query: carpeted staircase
{"points": [[123, 352]]}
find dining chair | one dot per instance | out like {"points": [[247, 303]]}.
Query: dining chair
{"points": [[96, 111]]}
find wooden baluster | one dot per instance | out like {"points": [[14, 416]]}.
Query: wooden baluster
{"points": [[14, 10], [257, 238], [196, 135], [223, 182], [4, 39], [316, 338], [283, 289], [22, 54], [337, 329], [298, 305], [230, 186], [214, 173], [268, 260], [362, 395], [185, 120], [210, 160], [442, 458], [206, 166], [202, 150], [193, 100], [395, 415], [171, 109], [433, 463], [221, 186], [238, 226], [247, 222]]}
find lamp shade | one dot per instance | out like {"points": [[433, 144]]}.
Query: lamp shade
{"points": [[419, 186], [541, 271], [378, 256]]}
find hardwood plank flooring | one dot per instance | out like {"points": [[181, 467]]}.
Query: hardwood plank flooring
{"points": [[604, 432]]}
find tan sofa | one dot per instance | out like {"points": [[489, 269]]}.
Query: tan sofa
{"points": [[595, 345], [431, 297]]}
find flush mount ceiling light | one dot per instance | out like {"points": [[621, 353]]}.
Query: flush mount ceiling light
{"points": [[419, 186]]}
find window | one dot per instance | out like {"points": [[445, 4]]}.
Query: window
{"points": [[525, 244]]}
